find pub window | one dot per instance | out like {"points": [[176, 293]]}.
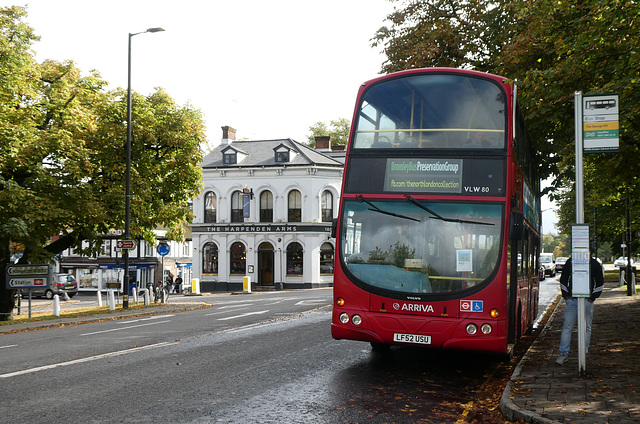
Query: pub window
{"points": [[266, 206], [294, 259], [236, 207], [326, 258], [210, 205], [210, 258], [327, 206], [295, 206], [237, 258]]}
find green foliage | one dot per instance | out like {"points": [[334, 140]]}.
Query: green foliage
{"points": [[63, 156], [337, 129], [551, 49]]}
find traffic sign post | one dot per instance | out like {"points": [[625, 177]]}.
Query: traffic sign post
{"points": [[125, 244], [28, 277]]}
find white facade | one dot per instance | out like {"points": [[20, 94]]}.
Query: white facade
{"points": [[285, 240]]}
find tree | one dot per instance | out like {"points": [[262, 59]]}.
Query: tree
{"points": [[338, 130], [62, 157], [551, 49]]}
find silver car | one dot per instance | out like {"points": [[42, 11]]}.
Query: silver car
{"points": [[62, 283]]}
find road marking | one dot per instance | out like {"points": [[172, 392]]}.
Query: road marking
{"points": [[145, 319], [243, 315], [4, 347], [225, 312], [244, 305], [252, 327], [313, 302], [88, 359], [124, 328]]}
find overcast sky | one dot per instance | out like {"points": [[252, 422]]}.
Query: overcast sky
{"points": [[270, 69]]}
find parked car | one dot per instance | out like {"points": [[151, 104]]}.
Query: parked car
{"points": [[560, 261], [548, 261], [62, 283], [622, 261]]}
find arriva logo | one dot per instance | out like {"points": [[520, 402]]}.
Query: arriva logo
{"points": [[413, 307]]}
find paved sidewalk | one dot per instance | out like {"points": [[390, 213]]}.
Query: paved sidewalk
{"points": [[609, 392]]}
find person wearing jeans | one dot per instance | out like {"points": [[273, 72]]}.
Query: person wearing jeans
{"points": [[571, 306]]}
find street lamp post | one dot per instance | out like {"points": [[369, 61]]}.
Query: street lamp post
{"points": [[127, 207]]}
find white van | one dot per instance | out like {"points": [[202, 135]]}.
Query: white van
{"points": [[548, 261]]}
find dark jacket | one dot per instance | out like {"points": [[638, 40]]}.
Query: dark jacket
{"points": [[595, 285]]}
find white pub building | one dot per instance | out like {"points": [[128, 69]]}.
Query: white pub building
{"points": [[265, 213]]}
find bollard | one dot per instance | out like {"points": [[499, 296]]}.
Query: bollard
{"points": [[246, 283], [195, 286], [56, 305], [163, 296], [145, 293], [99, 298], [134, 293], [112, 300]]}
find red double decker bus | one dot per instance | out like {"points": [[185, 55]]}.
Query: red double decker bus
{"points": [[438, 234]]}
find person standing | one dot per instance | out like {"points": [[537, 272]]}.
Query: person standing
{"points": [[596, 282]]}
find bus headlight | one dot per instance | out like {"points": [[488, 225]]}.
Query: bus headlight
{"points": [[472, 329], [356, 320], [486, 328], [344, 318]]}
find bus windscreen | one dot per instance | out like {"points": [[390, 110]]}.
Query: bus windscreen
{"points": [[432, 111]]}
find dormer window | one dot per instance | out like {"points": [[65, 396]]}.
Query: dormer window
{"points": [[282, 156], [230, 157]]}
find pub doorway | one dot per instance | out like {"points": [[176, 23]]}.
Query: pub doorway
{"points": [[265, 264]]}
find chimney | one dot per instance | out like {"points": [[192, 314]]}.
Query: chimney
{"points": [[338, 148], [228, 135], [323, 143]]}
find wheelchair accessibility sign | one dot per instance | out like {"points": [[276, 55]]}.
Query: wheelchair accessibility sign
{"points": [[471, 305]]}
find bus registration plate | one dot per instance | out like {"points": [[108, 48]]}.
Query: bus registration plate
{"points": [[411, 338]]}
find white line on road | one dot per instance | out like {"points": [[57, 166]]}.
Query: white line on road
{"points": [[88, 359], [225, 312], [4, 347], [145, 319], [124, 328], [243, 315], [313, 302]]}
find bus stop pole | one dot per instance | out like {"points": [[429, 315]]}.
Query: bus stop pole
{"points": [[582, 323]]}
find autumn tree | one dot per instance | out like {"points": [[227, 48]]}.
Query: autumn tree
{"points": [[551, 49], [338, 130], [62, 157]]}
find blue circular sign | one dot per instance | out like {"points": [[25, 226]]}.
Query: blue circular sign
{"points": [[163, 249]]}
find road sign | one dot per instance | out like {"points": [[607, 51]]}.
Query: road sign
{"points": [[28, 276], [163, 249], [18, 270], [600, 123], [125, 244]]}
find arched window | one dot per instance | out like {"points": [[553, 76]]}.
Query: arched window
{"points": [[266, 206], [295, 206], [210, 206], [236, 207], [238, 259], [294, 259], [326, 204], [326, 258], [210, 258]]}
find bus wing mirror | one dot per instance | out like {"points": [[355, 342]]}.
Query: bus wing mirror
{"points": [[516, 227], [334, 227]]}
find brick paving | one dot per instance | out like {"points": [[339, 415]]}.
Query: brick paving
{"points": [[609, 391]]}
